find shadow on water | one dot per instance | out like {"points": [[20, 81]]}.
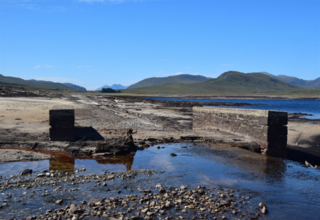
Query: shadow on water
{"points": [[87, 134], [66, 164], [295, 154]]}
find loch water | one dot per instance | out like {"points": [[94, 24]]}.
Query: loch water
{"points": [[290, 190], [308, 106]]}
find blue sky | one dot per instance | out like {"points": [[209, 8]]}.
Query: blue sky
{"points": [[96, 42]]}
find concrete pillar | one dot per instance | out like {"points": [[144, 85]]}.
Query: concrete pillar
{"points": [[62, 125]]}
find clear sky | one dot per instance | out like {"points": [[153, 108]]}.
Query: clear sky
{"points": [[97, 42]]}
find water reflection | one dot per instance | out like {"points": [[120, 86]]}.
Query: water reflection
{"points": [[67, 164], [275, 170], [253, 166], [127, 161]]}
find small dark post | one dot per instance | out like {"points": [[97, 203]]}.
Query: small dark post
{"points": [[62, 125]]}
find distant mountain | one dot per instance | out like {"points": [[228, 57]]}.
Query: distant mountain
{"points": [[114, 86], [183, 78], [75, 86], [296, 81], [34, 83], [230, 82]]}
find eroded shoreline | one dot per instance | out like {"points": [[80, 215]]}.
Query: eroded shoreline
{"points": [[102, 119]]}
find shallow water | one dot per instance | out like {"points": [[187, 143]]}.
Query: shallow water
{"points": [[290, 190], [307, 106]]}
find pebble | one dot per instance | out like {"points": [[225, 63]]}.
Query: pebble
{"points": [[59, 201], [148, 203]]}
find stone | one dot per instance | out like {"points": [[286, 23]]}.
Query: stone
{"points": [[73, 209], [183, 187], [144, 210], [93, 202], [26, 172], [263, 208], [41, 175], [261, 205], [150, 213], [59, 201]]}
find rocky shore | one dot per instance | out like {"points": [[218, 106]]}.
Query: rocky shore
{"points": [[153, 202], [101, 127], [103, 120], [11, 155], [102, 123]]}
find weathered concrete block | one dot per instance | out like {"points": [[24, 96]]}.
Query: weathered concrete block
{"points": [[62, 134], [282, 152], [265, 127], [276, 130], [61, 118], [274, 118]]}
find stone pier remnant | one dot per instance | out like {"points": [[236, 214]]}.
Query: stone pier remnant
{"points": [[267, 128], [62, 125]]}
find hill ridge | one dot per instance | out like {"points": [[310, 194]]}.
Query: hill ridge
{"points": [[182, 78], [228, 82], [35, 83]]}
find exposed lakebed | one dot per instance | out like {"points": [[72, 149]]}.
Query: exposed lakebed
{"points": [[289, 189]]}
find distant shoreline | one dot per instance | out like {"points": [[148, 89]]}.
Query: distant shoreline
{"points": [[244, 97], [288, 97]]}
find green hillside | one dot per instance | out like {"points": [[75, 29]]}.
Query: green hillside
{"points": [[296, 81], [34, 83], [155, 81], [231, 82]]}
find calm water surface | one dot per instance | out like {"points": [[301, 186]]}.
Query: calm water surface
{"points": [[290, 190], [291, 106]]}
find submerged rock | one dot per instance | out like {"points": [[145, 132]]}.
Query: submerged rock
{"points": [[26, 172]]}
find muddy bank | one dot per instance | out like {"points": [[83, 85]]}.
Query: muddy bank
{"points": [[101, 123], [113, 146], [105, 119], [10, 155]]}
